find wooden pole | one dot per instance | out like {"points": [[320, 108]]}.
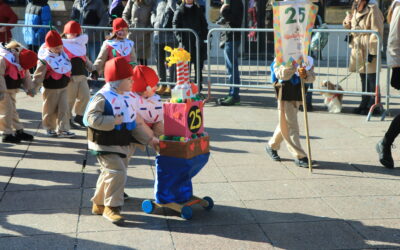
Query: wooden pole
{"points": [[303, 96]]}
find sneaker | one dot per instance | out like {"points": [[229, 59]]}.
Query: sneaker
{"points": [[65, 134], [97, 209], [23, 136], [385, 154], [272, 153], [113, 214], [126, 196], [303, 162], [10, 138], [79, 119], [230, 101], [51, 133], [73, 125]]}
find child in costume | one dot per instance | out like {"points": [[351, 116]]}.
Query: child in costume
{"points": [[116, 45], [54, 72], [15, 62], [149, 104], [287, 84], [78, 89], [113, 126]]}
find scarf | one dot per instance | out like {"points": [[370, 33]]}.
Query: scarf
{"points": [[123, 47], [9, 56], [77, 45]]}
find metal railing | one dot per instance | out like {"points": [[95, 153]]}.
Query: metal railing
{"points": [[255, 61], [98, 34]]}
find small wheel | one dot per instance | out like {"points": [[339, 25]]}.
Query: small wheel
{"points": [[147, 206], [186, 212], [210, 203]]}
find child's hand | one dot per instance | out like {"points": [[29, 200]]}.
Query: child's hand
{"points": [[155, 143], [118, 119]]}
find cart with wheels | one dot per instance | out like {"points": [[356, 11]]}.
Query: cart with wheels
{"points": [[173, 186]]}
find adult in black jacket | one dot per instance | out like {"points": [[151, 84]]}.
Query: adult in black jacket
{"points": [[190, 15], [232, 13]]}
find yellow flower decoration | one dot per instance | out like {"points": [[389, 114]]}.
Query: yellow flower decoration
{"points": [[177, 55]]}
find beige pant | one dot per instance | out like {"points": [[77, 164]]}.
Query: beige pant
{"points": [[111, 182], [9, 117], [78, 89], [288, 129], [55, 109]]}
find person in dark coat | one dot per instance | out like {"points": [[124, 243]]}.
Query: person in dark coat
{"points": [[190, 15], [7, 15]]}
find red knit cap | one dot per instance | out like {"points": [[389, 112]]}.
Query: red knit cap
{"points": [[53, 39], [27, 59], [117, 69], [118, 24], [72, 27], [143, 77]]}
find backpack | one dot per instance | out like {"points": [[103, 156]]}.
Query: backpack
{"points": [[319, 39]]}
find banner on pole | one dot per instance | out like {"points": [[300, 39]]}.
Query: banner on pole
{"points": [[293, 22]]}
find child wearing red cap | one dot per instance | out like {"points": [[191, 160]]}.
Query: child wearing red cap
{"points": [[15, 62], [149, 105], [54, 72], [115, 46], [78, 89], [113, 127]]}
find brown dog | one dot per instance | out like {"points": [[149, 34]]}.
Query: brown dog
{"points": [[332, 100]]}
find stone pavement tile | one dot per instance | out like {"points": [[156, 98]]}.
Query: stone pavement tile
{"points": [[226, 159], [47, 180], [290, 210], [12, 151], [257, 173], [217, 191], [314, 235], [222, 214], [350, 186], [37, 242], [367, 207], [381, 232], [28, 166], [208, 174], [3, 181], [38, 222], [220, 237], [325, 170], [263, 190], [378, 171], [134, 218], [136, 177], [126, 239], [7, 165], [40, 199]]}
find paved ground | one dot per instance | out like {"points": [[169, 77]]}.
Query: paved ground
{"points": [[349, 202]]}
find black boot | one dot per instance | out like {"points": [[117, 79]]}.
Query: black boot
{"points": [[385, 154], [23, 136], [9, 138], [79, 119]]}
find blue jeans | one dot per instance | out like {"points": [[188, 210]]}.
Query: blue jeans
{"points": [[231, 51]]}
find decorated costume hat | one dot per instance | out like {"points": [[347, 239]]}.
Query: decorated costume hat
{"points": [[117, 69], [53, 39], [144, 78], [72, 27], [27, 58], [118, 24]]}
